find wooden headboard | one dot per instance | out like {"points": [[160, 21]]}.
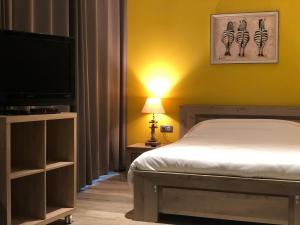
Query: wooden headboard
{"points": [[192, 114]]}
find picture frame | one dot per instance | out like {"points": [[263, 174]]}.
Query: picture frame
{"points": [[244, 38]]}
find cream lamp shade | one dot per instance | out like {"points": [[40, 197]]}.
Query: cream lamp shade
{"points": [[153, 105]]}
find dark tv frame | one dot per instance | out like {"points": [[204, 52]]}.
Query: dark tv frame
{"points": [[43, 99]]}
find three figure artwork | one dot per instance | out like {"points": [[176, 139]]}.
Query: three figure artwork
{"points": [[244, 38]]}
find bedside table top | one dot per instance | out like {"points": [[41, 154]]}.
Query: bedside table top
{"points": [[139, 146]]}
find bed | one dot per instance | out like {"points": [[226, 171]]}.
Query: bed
{"points": [[262, 185]]}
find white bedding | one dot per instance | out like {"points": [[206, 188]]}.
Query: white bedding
{"points": [[236, 147]]}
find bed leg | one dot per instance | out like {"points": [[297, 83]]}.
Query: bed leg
{"points": [[145, 200], [294, 210]]}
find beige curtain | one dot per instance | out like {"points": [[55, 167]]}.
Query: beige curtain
{"points": [[99, 30]]}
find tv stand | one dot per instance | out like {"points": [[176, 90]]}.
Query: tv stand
{"points": [[38, 168]]}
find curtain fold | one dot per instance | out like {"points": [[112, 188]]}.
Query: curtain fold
{"points": [[5, 18], [99, 31], [42, 16], [100, 88]]}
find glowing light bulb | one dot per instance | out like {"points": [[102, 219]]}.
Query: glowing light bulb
{"points": [[159, 86]]}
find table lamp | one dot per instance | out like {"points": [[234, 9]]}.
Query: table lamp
{"points": [[154, 106]]}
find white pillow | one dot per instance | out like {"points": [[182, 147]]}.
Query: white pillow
{"points": [[247, 128]]}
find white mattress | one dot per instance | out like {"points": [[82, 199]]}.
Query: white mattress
{"points": [[236, 147]]}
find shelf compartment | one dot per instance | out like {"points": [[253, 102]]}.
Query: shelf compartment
{"points": [[18, 173], [28, 146], [60, 140], [52, 165], [28, 199], [60, 192]]}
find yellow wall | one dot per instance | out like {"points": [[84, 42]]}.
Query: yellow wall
{"points": [[171, 39]]}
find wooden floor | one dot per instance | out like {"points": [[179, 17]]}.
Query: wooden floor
{"points": [[110, 203]]}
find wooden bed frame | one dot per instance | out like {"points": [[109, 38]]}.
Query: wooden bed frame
{"points": [[223, 197]]}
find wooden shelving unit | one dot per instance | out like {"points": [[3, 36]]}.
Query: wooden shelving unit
{"points": [[37, 168]]}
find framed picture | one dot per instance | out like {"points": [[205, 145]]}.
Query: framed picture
{"points": [[244, 38]]}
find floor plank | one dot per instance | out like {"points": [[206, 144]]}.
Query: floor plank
{"points": [[110, 203]]}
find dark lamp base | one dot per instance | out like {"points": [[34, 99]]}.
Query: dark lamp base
{"points": [[152, 143]]}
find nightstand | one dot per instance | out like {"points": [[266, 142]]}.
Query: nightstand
{"points": [[135, 150]]}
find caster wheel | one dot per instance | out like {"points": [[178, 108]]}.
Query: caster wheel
{"points": [[68, 219]]}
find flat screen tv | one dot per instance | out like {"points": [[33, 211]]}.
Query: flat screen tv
{"points": [[36, 69]]}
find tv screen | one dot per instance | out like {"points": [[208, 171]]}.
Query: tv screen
{"points": [[36, 69]]}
